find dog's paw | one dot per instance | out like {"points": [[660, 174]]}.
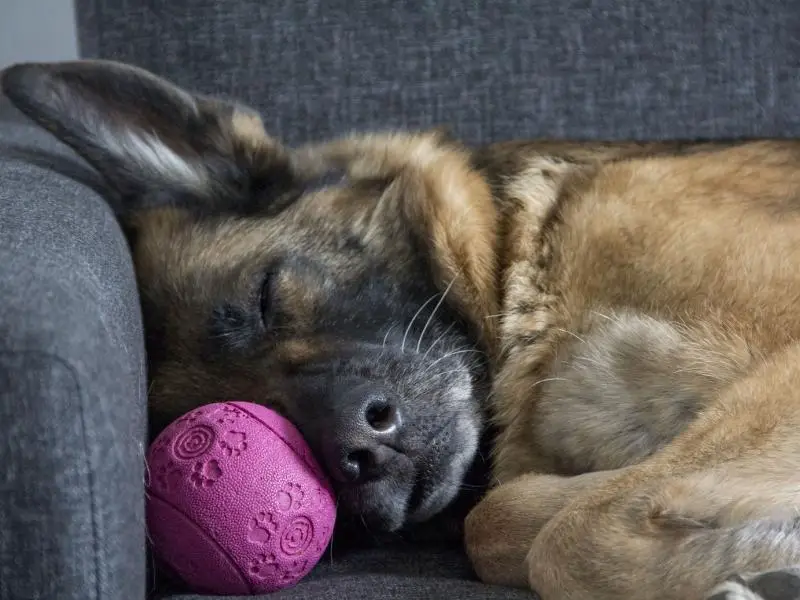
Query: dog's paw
{"points": [[780, 584]]}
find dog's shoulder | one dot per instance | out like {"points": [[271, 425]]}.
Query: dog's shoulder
{"points": [[704, 235]]}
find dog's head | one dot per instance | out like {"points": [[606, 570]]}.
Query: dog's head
{"points": [[357, 309]]}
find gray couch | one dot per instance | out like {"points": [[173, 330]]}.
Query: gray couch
{"points": [[72, 369]]}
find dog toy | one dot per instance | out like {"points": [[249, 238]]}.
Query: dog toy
{"points": [[236, 503]]}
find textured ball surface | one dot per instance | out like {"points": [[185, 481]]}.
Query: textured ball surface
{"points": [[236, 502]]}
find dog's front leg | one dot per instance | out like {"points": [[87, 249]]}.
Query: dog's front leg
{"points": [[722, 499], [499, 531]]}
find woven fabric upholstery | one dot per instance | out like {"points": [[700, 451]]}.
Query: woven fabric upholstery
{"points": [[609, 69]]}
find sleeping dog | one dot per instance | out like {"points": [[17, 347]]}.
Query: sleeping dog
{"points": [[626, 316]]}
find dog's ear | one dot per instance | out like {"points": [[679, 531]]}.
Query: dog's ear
{"points": [[441, 198], [153, 142]]}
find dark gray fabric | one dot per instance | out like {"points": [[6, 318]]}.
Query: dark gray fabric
{"points": [[372, 587], [72, 383], [397, 570], [421, 565], [396, 562], [492, 70]]}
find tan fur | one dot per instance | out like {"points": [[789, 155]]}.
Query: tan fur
{"points": [[248, 127], [685, 270]]}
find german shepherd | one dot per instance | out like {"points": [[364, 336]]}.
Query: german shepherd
{"points": [[626, 315]]}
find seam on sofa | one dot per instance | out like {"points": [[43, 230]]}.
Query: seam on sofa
{"points": [[87, 451], [91, 284]]}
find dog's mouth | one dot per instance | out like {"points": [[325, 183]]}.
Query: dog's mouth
{"points": [[415, 489]]}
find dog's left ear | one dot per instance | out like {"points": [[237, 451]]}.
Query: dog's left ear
{"points": [[446, 203], [152, 141]]}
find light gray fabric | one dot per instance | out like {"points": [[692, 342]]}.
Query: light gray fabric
{"points": [[72, 383], [491, 70]]}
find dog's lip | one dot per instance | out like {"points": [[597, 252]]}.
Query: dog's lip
{"points": [[425, 482]]}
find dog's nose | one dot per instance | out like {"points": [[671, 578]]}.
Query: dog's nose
{"points": [[366, 425]]}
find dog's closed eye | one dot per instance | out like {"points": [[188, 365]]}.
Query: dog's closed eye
{"points": [[266, 302]]}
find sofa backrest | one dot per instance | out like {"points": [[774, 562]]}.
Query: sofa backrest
{"points": [[489, 69]]}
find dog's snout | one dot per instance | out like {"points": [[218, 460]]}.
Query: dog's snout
{"points": [[362, 439]]}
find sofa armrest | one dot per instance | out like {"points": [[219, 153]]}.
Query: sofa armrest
{"points": [[72, 382]]}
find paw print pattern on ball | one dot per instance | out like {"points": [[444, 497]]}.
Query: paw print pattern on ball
{"points": [[167, 476], [160, 445], [323, 498], [321, 544], [234, 443], [265, 566], [293, 569], [194, 442], [191, 417], [290, 497], [205, 474], [229, 415], [262, 527]]}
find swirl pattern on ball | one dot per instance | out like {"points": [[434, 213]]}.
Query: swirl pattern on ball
{"points": [[297, 536], [194, 442]]}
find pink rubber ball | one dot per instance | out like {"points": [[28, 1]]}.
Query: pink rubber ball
{"points": [[236, 502]]}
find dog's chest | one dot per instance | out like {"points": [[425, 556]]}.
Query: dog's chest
{"points": [[625, 384]]}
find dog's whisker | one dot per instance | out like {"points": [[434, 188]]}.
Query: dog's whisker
{"points": [[433, 314], [449, 355], [414, 318], [386, 337], [424, 390], [371, 533], [436, 341], [429, 377]]}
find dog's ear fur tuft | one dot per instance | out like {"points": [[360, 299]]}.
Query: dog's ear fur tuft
{"points": [[149, 138], [446, 203]]}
